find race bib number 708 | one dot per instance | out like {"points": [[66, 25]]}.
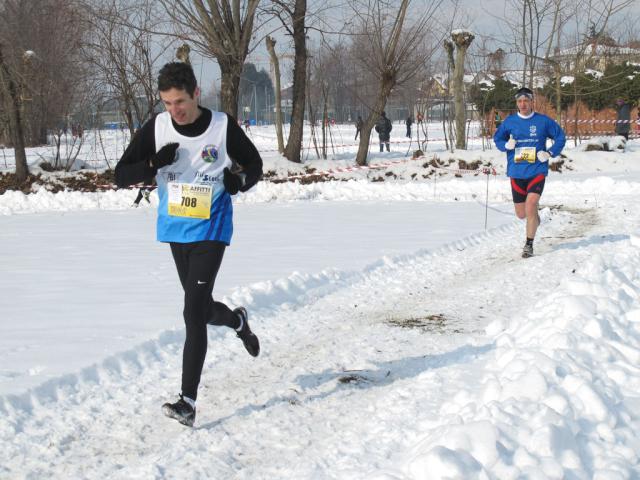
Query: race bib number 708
{"points": [[187, 200]]}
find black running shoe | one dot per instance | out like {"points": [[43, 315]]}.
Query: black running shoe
{"points": [[181, 411], [527, 251], [248, 338]]}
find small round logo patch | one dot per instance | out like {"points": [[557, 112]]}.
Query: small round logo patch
{"points": [[210, 153]]}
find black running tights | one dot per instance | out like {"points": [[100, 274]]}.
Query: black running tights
{"points": [[198, 264]]}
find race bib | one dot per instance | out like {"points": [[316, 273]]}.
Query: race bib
{"points": [[188, 200], [525, 154]]}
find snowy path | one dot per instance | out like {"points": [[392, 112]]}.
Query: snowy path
{"points": [[101, 278], [359, 371]]}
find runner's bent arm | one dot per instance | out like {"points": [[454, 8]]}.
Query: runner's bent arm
{"points": [[501, 137], [557, 135], [244, 152], [134, 166]]}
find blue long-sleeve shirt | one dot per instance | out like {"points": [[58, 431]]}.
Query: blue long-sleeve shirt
{"points": [[531, 136]]}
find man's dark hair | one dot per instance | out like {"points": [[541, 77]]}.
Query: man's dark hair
{"points": [[524, 92], [177, 75]]}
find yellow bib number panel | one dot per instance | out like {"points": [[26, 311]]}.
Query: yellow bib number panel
{"points": [[525, 154], [187, 200]]}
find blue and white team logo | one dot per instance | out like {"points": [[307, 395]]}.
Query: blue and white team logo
{"points": [[210, 153], [532, 131]]}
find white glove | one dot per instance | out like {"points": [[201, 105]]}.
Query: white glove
{"points": [[511, 143], [543, 156]]}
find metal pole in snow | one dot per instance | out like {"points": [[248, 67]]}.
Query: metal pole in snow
{"points": [[486, 202], [435, 179]]}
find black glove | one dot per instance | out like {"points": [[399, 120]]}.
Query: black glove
{"points": [[165, 156], [232, 181]]}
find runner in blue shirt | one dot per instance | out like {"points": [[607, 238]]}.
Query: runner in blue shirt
{"points": [[524, 136]]}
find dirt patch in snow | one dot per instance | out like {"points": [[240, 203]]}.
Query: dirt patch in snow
{"points": [[434, 323]]}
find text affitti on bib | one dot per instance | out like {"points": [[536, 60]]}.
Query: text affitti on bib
{"points": [[525, 154], [187, 200]]}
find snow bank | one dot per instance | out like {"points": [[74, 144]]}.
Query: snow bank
{"points": [[565, 373], [472, 188]]}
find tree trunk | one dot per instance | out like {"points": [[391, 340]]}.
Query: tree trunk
{"points": [[225, 29], [128, 118], [449, 47], [458, 95], [17, 137], [445, 122], [325, 121], [294, 144], [387, 83], [271, 47], [230, 87], [312, 118], [558, 92], [462, 41], [16, 131]]}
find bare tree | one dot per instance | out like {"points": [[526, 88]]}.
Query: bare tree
{"points": [[462, 40], [124, 56], [556, 29], [598, 15], [320, 89], [10, 94], [41, 77], [292, 16], [447, 120], [528, 21], [221, 29], [534, 15], [275, 63], [390, 50], [52, 77]]}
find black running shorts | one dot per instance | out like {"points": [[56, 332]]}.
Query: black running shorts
{"points": [[520, 187]]}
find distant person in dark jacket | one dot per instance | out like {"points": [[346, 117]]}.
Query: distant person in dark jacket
{"points": [[623, 123], [383, 127], [143, 192], [409, 122], [359, 124]]}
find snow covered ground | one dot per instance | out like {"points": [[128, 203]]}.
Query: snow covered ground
{"points": [[400, 339]]}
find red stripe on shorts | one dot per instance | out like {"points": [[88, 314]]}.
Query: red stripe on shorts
{"points": [[515, 186], [537, 179]]}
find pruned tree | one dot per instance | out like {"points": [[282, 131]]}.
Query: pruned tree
{"points": [[392, 49], [447, 120], [183, 53], [292, 16], [495, 62], [462, 40], [275, 63], [220, 29]]}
